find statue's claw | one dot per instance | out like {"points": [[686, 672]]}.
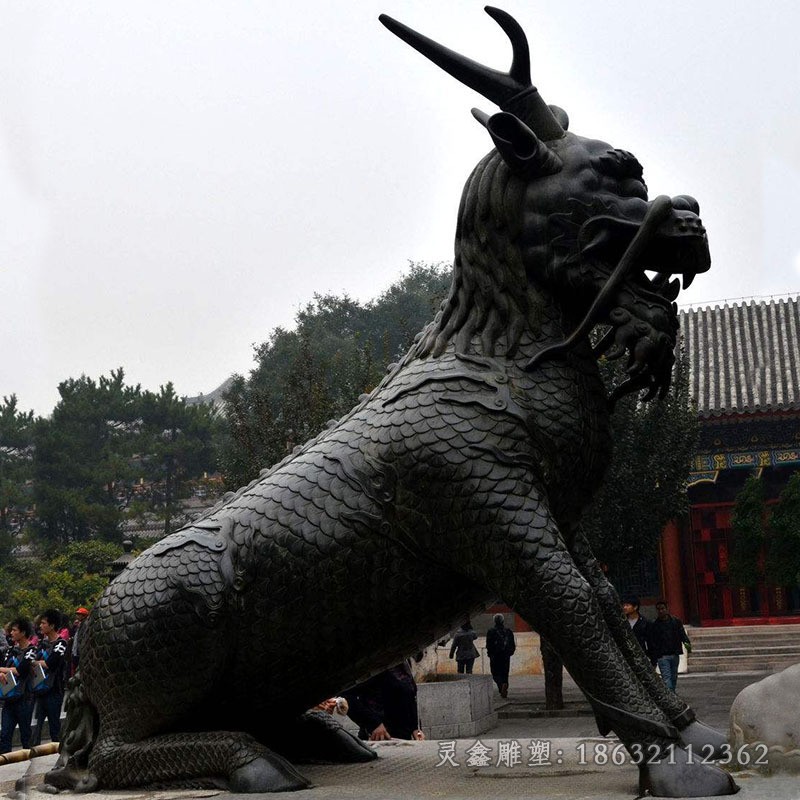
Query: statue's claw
{"points": [[681, 775]]}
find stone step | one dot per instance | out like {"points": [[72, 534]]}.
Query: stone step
{"points": [[734, 647], [744, 665], [744, 630], [736, 662], [739, 663], [731, 640]]}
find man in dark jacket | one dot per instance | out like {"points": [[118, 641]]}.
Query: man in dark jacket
{"points": [[664, 641], [639, 625], [500, 646]]}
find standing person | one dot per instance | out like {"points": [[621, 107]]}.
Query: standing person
{"points": [[500, 645], [18, 705], [665, 637], [77, 630], [463, 648], [49, 696], [385, 705], [639, 625]]}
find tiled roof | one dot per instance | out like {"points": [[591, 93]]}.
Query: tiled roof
{"points": [[744, 358]]}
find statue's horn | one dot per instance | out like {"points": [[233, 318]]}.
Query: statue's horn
{"points": [[522, 150], [512, 90]]}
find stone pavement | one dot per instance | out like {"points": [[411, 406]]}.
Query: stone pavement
{"points": [[407, 770]]}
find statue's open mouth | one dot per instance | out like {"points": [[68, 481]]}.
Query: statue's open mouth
{"points": [[676, 246], [669, 240]]}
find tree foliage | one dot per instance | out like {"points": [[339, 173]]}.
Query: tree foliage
{"points": [[82, 450], [305, 377], [16, 470], [645, 486], [782, 564], [177, 442], [102, 437], [75, 577], [747, 527]]}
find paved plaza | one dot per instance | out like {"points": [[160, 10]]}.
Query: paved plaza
{"points": [[526, 755]]}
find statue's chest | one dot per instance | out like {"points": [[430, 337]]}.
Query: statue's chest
{"points": [[568, 420]]}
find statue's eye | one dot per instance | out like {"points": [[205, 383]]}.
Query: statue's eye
{"points": [[620, 164]]}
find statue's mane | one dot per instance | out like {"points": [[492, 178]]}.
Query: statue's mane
{"points": [[489, 296]]}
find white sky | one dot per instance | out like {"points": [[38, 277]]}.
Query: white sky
{"points": [[177, 178]]}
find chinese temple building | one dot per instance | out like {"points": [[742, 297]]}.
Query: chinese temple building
{"points": [[744, 363]]}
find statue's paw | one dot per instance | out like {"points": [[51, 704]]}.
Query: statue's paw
{"points": [[267, 774], [78, 780], [680, 775], [707, 743]]}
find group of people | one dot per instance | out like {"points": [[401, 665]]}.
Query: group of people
{"points": [[36, 661], [500, 646], [662, 639]]}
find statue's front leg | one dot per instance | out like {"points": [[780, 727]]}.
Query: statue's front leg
{"points": [[522, 558], [692, 732]]}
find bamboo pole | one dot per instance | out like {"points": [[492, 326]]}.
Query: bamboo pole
{"points": [[26, 755]]}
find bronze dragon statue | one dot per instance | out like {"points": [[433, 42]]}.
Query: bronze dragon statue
{"points": [[460, 479]]}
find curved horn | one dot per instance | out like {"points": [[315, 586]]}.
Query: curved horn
{"points": [[522, 150], [512, 90]]}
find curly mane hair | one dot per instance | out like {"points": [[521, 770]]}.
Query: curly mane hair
{"points": [[489, 295]]}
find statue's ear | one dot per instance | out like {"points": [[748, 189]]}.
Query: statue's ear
{"points": [[522, 150]]}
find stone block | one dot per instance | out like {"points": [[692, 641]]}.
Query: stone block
{"points": [[455, 706]]}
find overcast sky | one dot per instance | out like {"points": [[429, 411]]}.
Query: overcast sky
{"points": [[177, 178]]}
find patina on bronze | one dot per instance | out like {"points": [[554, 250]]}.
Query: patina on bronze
{"points": [[461, 478]]}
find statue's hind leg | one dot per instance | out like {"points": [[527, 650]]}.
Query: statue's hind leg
{"points": [[703, 739], [524, 560], [192, 759]]}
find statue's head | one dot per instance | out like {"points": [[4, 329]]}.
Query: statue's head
{"points": [[571, 217]]}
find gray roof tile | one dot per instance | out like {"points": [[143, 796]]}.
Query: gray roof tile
{"points": [[744, 358]]}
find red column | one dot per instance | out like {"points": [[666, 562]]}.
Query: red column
{"points": [[672, 578]]}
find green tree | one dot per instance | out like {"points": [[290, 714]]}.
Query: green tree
{"points": [[82, 454], [782, 564], [747, 527], [177, 444], [16, 470], [645, 486], [75, 577], [305, 377]]}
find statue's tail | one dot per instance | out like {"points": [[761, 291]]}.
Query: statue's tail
{"points": [[77, 739]]}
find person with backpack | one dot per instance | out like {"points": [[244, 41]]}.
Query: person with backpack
{"points": [[49, 693], [15, 685], [500, 646]]}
